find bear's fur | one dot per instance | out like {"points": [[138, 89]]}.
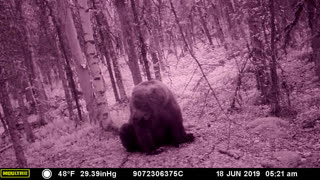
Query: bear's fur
{"points": [[155, 119]]}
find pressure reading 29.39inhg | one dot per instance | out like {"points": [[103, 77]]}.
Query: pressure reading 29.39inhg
{"points": [[111, 174]]}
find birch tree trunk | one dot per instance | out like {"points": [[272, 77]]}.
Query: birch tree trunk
{"points": [[99, 85], [67, 30], [107, 33], [101, 38], [154, 42]]}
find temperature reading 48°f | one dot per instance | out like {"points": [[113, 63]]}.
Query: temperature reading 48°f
{"points": [[66, 173]]}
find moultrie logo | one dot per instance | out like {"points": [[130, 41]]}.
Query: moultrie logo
{"points": [[15, 173]]}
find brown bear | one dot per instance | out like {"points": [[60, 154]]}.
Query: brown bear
{"points": [[155, 119]]}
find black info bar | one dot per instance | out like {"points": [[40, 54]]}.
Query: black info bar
{"points": [[160, 173]]}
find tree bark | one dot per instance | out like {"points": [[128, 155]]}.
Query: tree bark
{"points": [[258, 59], [69, 38], [220, 34], [24, 117], [127, 34], [113, 57], [4, 124], [156, 65], [227, 11], [62, 67], [154, 41], [8, 116], [99, 85], [159, 38], [35, 83], [203, 23], [112, 78], [104, 49], [275, 97], [314, 24], [143, 46], [117, 74]]}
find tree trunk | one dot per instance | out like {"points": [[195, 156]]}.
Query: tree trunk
{"points": [[41, 96], [32, 68], [113, 57], [112, 78], [156, 65], [227, 11], [62, 67], [314, 24], [143, 46], [117, 74], [66, 89], [8, 116], [127, 34], [275, 97], [156, 33], [104, 49], [24, 117], [154, 40], [186, 26], [69, 38], [4, 124], [258, 59], [180, 27], [159, 39], [220, 34], [203, 23], [99, 85]]}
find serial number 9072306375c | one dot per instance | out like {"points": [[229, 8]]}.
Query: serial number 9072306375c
{"points": [[157, 173]]}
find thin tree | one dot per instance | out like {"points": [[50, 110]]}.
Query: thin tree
{"points": [[215, 16], [314, 24], [62, 67], [154, 48], [111, 50], [104, 48], [258, 56], [35, 84], [4, 124], [11, 121], [23, 110], [203, 21], [275, 105], [143, 46], [128, 35], [115, 63]]}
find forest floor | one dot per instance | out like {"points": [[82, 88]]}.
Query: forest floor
{"points": [[246, 137]]}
